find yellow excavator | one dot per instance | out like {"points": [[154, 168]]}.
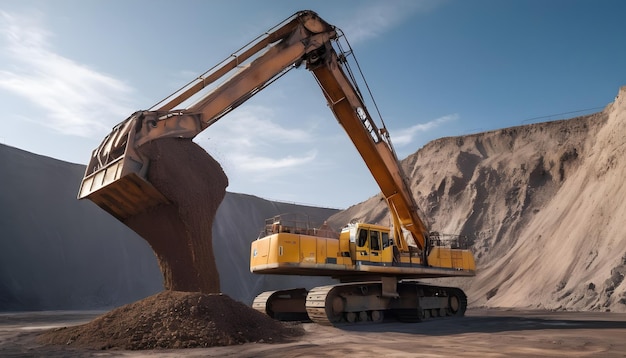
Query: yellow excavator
{"points": [[377, 266]]}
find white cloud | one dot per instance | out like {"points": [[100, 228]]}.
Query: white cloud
{"points": [[405, 136], [247, 162], [378, 17], [250, 141], [252, 127], [77, 99]]}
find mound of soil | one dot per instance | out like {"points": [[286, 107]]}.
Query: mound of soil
{"points": [[173, 319]]}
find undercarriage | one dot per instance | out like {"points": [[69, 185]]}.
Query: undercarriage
{"points": [[363, 302]]}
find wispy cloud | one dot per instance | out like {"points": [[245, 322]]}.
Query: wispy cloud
{"points": [[252, 142], [252, 163], [376, 18], [78, 100], [405, 136]]}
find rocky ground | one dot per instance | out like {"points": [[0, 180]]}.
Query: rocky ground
{"points": [[482, 333]]}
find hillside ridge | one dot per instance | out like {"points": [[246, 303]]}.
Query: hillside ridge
{"points": [[541, 205]]}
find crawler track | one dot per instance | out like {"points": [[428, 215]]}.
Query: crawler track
{"points": [[364, 302], [283, 305]]}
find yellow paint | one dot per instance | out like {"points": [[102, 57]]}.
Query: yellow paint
{"points": [[308, 249], [318, 254], [451, 258]]}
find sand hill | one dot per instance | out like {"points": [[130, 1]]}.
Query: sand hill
{"points": [[541, 205]]}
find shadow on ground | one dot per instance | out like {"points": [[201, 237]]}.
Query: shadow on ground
{"points": [[496, 321]]}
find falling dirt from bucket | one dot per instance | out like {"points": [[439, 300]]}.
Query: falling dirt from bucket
{"points": [[180, 232]]}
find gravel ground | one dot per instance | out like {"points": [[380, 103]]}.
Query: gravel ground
{"points": [[482, 333]]}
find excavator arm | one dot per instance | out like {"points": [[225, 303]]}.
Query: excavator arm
{"points": [[373, 145], [115, 178]]}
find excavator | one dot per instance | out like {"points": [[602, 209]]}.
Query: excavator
{"points": [[378, 267]]}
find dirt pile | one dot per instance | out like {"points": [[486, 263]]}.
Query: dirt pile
{"points": [[542, 205], [173, 319], [180, 233]]}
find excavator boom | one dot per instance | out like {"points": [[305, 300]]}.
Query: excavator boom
{"points": [[374, 146], [115, 178]]}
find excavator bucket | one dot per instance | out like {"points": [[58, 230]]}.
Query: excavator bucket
{"points": [[120, 190], [115, 177]]}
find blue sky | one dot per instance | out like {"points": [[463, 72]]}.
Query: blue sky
{"points": [[71, 69]]}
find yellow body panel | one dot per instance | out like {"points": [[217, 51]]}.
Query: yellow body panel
{"points": [[294, 248], [451, 258], [259, 255], [308, 249], [440, 257], [407, 259], [366, 251]]}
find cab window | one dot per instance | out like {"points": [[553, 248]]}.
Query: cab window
{"points": [[386, 241], [374, 240], [362, 238]]}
